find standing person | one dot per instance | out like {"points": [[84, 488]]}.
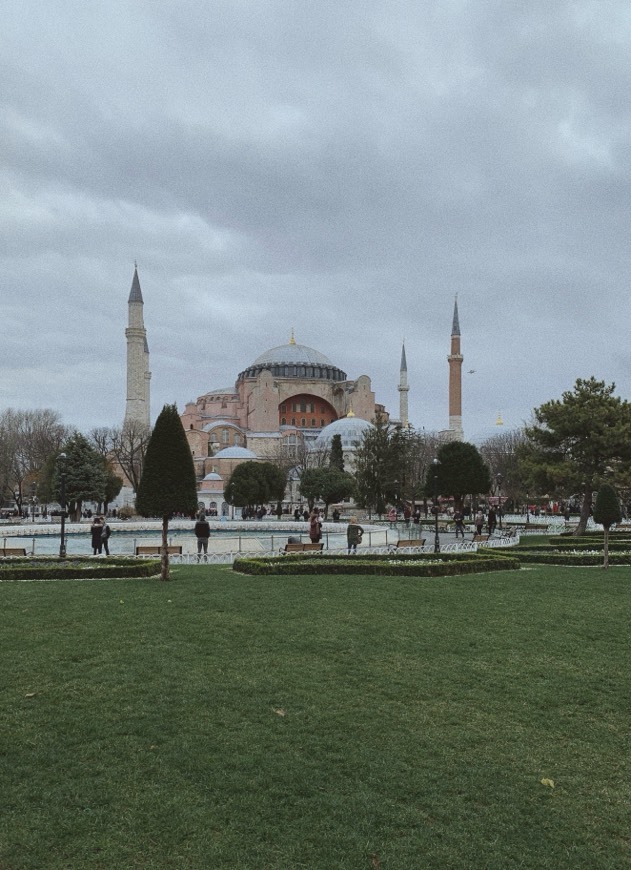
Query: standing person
{"points": [[315, 526], [354, 534], [459, 521], [491, 520], [105, 535], [97, 542], [202, 533], [479, 521], [407, 513]]}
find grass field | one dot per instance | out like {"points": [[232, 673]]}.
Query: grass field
{"points": [[221, 721]]}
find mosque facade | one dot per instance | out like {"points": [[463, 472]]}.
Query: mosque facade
{"points": [[280, 402], [291, 397]]}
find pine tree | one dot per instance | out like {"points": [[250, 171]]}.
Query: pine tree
{"points": [[607, 512], [575, 439], [168, 484], [86, 478]]}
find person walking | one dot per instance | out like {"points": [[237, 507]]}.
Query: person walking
{"points": [[97, 541], [491, 520], [354, 534], [105, 535], [202, 533], [479, 521], [459, 522], [315, 526]]}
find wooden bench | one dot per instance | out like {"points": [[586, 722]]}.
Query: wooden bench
{"points": [[155, 550], [303, 548], [403, 543], [12, 551], [480, 539]]}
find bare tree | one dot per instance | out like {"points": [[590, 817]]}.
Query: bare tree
{"points": [[102, 439], [27, 440], [129, 445], [501, 453]]}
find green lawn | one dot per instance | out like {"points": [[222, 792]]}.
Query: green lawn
{"points": [[317, 722]]}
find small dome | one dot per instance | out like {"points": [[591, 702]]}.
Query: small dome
{"points": [[351, 430], [292, 353], [213, 476], [235, 453]]}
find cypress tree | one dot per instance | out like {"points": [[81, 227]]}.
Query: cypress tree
{"points": [[168, 484]]}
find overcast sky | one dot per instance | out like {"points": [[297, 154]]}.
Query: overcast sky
{"points": [[340, 168]]}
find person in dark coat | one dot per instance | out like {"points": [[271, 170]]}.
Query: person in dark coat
{"points": [[354, 534], [491, 520], [105, 535], [315, 526], [202, 533], [96, 530]]}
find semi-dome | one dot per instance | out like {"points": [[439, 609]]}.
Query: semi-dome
{"points": [[351, 430], [235, 453], [213, 476]]}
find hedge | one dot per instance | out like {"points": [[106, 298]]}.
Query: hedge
{"points": [[376, 565], [572, 559], [37, 568]]}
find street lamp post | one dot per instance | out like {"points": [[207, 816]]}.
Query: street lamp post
{"points": [[527, 509], [436, 463], [62, 503], [33, 499], [499, 479]]}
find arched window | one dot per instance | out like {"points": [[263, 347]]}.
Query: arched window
{"points": [[303, 422], [225, 436], [283, 421]]}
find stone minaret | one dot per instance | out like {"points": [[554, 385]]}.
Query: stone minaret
{"points": [[455, 380], [403, 390], [138, 374]]}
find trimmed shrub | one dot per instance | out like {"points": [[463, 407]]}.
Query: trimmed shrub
{"points": [[377, 565], [43, 568]]}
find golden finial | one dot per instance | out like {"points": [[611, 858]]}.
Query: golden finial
{"points": [[350, 413], [292, 340], [499, 421]]}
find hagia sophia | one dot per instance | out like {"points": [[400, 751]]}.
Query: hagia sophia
{"points": [[289, 398]]}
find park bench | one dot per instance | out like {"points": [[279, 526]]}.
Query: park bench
{"points": [[480, 539], [155, 550], [12, 551], [302, 548], [406, 543]]}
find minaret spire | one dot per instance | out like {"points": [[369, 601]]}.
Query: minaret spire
{"points": [[455, 359], [138, 374], [403, 389]]}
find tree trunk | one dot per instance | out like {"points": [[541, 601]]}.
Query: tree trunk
{"points": [[585, 512], [606, 548], [164, 555]]}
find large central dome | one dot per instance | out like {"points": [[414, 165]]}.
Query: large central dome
{"points": [[292, 353], [293, 360]]}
